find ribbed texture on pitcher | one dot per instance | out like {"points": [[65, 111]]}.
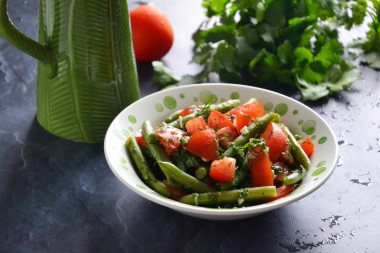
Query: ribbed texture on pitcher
{"points": [[96, 75]]}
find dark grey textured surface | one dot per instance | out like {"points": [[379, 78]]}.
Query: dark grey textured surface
{"points": [[60, 196]]}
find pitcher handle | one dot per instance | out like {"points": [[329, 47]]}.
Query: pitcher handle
{"points": [[25, 44]]}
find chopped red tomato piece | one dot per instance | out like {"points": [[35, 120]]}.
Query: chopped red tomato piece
{"points": [[217, 120], [204, 144], [287, 157], [260, 168], [176, 192], [195, 125], [189, 110], [242, 120], [276, 140], [283, 171], [223, 170], [282, 191], [170, 138], [225, 136], [254, 109], [307, 146], [140, 138]]}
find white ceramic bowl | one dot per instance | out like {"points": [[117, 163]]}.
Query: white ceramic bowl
{"points": [[156, 107]]}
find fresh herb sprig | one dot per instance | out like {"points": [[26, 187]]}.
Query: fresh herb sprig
{"points": [[368, 48], [281, 42]]}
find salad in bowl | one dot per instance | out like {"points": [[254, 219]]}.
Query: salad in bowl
{"points": [[220, 151]]}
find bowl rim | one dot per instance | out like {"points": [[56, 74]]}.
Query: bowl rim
{"points": [[211, 211]]}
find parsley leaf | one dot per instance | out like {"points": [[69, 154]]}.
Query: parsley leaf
{"points": [[163, 75]]}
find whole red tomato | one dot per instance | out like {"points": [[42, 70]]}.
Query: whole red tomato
{"points": [[152, 33]]}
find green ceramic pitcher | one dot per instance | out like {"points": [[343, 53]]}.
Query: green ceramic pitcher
{"points": [[86, 66]]}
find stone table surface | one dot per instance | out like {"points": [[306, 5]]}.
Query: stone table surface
{"points": [[60, 196]]}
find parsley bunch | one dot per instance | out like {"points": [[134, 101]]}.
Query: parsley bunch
{"points": [[277, 42], [367, 48]]}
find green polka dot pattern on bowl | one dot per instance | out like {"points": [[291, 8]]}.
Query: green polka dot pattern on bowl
{"points": [[182, 95], [122, 164], [320, 164], [268, 106], [125, 132], [318, 171], [206, 96], [295, 112], [132, 119], [159, 107], [281, 109], [170, 102], [322, 140], [309, 127], [235, 95]]}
